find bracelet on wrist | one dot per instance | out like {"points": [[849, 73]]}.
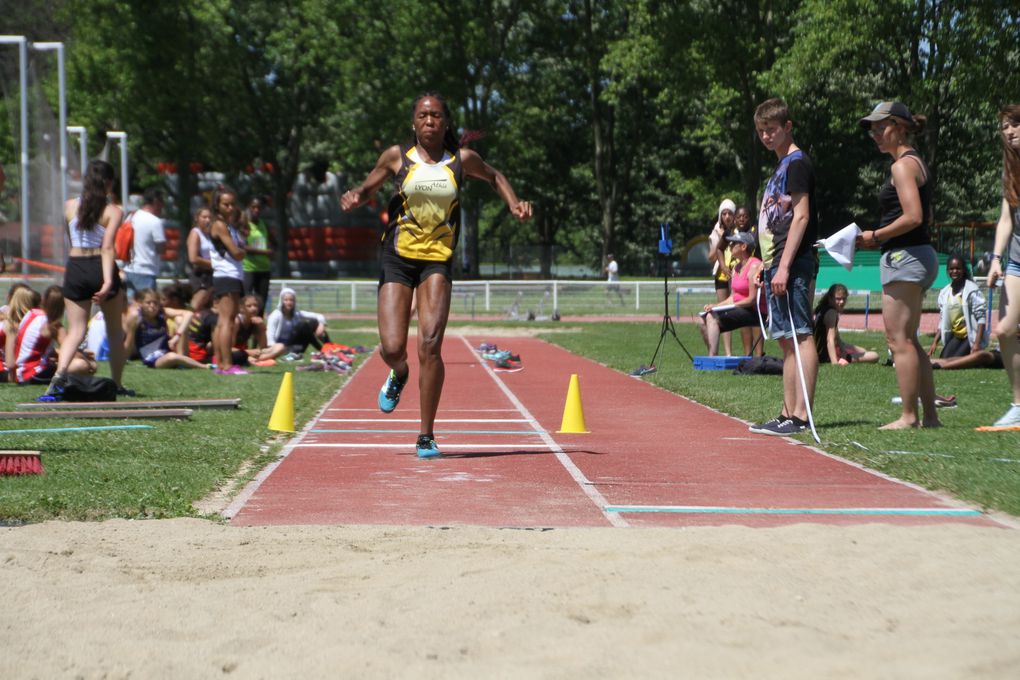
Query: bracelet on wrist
{"points": [[996, 256]]}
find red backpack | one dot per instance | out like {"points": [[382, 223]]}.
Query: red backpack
{"points": [[124, 241]]}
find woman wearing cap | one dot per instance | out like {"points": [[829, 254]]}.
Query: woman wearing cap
{"points": [[718, 254], [737, 310], [908, 264], [1006, 257]]}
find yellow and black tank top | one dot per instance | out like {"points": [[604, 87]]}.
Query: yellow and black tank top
{"points": [[425, 211]]}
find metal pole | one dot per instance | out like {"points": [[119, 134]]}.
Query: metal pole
{"points": [[83, 146], [22, 44], [122, 138], [59, 48]]}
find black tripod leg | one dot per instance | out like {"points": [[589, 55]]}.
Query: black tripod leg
{"points": [[672, 330]]}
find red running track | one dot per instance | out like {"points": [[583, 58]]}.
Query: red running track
{"points": [[652, 459]]}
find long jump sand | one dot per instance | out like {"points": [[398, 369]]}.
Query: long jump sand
{"points": [[195, 599]]}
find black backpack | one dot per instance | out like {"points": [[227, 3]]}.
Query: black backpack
{"points": [[89, 388], [765, 365]]}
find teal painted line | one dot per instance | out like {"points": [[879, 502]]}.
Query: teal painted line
{"points": [[80, 429], [437, 431], [916, 512]]}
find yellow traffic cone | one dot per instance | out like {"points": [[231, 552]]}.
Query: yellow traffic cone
{"points": [[282, 419], [573, 412]]}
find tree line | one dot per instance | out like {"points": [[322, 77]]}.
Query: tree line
{"points": [[612, 117]]}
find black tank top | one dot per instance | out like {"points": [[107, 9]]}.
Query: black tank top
{"points": [[889, 204]]}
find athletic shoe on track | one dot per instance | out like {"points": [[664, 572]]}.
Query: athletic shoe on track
{"points": [[496, 355], [1011, 419], [389, 395], [427, 447], [507, 366], [768, 426]]}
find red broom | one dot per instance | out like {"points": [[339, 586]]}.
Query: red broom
{"points": [[20, 463]]}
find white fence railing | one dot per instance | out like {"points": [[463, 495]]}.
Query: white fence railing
{"points": [[540, 300]]}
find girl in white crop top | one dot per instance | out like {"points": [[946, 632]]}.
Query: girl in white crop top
{"points": [[85, 238], [92, 278]]}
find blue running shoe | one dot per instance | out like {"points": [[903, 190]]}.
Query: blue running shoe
{"points": [[389, 395], [55, 390], [427, 447]]}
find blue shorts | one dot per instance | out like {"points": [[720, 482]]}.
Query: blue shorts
{"points": [[1012, 268], [798, 292]]}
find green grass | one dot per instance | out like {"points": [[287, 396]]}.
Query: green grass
{"points": [[159, 472], [851, 403], [162, 472]]}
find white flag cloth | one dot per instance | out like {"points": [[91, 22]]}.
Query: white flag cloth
{"points": [[842, 245]]}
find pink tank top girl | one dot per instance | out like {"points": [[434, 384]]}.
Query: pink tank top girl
{"points": [[741, 285]]}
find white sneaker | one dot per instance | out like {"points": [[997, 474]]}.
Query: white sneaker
{"points": [[1011, 419]]}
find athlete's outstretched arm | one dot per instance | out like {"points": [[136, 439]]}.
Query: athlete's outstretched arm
{"points": [[474, 166], [387, 166]]}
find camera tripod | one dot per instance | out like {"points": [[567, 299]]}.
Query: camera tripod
{"points": [[667, 320]]}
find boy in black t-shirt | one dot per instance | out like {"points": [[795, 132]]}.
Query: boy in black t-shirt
{"points": [[787, 231]]}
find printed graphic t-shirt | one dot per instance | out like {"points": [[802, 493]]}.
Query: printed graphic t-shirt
{"points": [[425, 211], [795, 174]]}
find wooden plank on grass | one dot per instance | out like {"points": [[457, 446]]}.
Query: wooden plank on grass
{"points": [[107, 405], [113, 413]]}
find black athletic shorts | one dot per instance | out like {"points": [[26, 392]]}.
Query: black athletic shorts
{"points": [[738, 317], [224, 285], [83, 277], [410, 273], [200, 280]]}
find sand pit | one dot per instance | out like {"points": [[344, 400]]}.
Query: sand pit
{"points": [[194, 599]]}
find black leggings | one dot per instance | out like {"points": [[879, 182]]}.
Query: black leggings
{"points": [[302, 336], [955, 348]]}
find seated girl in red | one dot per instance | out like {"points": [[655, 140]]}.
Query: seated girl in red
{"points": [[34, 346]]}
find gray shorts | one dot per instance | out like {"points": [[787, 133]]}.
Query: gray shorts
{"points": [[913, 264]]}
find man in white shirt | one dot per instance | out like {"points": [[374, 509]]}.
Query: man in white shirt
{"points": [[612, 270], [148, 245]]}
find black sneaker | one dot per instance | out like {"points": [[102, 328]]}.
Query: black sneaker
{"points": [[769, 426], [125, 392]]}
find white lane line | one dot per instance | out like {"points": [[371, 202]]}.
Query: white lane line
{"points": [[575, 473], [508, 447], [445, 410], [415, 420]]}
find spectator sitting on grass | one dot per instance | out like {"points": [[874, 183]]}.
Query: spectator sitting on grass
{"points": [[40, 330], [289, 330], [200, 334], [831, 347], [148, 332], [251, 327], [962, 311], [174, 297], [8, 330], [984, 358]]}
